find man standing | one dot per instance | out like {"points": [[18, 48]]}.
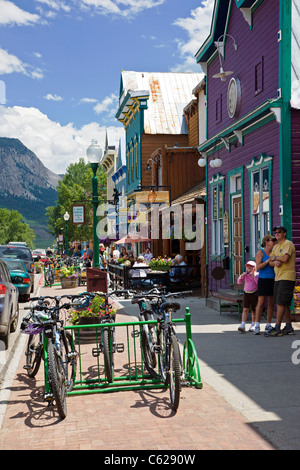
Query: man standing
{"points": [[283, 259]]}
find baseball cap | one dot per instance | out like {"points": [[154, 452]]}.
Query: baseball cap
{"points": [[250, 263], [280, 227]]}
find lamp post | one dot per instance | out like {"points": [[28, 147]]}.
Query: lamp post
{"points": [[66, 218], [94, 154]]}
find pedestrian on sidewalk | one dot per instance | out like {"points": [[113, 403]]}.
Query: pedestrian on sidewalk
{"points": [[265, 286], [250, 280], [283, 259]]}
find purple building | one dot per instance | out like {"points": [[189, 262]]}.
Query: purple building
{"points": [[252, 149]]}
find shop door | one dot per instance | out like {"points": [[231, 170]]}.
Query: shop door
{"points": [[237, 237]]}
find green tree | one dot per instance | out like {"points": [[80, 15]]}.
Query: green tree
{"points": [[75, 188], [12, 228]]}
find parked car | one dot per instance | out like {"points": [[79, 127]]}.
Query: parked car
{"points": [[9, 304], [19, 252], [19, 277], [38, 254]]}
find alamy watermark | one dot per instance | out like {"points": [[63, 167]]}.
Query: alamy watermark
{"points": [[154, 221], [296, 354]]}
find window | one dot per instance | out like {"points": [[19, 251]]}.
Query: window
{"points": [[260, 195], [219, 109], [217, 205], [259, 77]]}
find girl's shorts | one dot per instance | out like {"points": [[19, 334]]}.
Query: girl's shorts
{"points": [[250, 300]]}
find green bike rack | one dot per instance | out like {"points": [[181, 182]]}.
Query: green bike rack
{"points": [[136, 377]]}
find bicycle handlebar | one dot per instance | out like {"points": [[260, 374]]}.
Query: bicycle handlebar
{"points": [[163, 296]]}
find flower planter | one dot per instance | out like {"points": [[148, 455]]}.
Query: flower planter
{"points": [[68, 282], [160, 268]]}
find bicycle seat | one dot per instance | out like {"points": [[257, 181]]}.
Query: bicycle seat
{"points": [[170, 305]]}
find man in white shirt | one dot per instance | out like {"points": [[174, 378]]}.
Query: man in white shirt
{"points": [[139, 273]]}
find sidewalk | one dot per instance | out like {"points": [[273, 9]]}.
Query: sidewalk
{"points": [[228, 413]]}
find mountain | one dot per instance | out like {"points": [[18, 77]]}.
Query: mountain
{"points": [[27, 186]]}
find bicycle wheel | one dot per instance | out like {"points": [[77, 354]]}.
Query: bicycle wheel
{"points": [[57, 379], [33, 354], [51, 278], [108, 354], [149, 331], [162, 356], [69, 357], [174, 373]]}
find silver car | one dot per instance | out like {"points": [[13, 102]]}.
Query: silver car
{"points": [[9, 304]]}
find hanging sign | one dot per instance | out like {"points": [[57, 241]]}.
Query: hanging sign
{"points": [[78, 213]]}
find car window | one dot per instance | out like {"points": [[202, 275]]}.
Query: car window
{"points": [[7, 273], [15, 265], [4, 273], [15, 252]]}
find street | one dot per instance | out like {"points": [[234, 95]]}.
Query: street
{"points": [[249, 398]]}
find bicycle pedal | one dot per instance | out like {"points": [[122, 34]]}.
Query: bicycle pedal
{"points": [[156, 349], [27, 367], [72, 355], [48, 397], [120, 347], [96, 352], [135, 333]]}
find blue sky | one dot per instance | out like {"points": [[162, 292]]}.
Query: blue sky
{"points": [[61, 62]]}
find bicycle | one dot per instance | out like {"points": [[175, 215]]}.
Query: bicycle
{"points": [[107, 344], [49, 274], [166, 346], [55, 346], [149, 337]]}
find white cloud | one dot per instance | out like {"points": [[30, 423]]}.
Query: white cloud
{"points": [[55, 4], [10, 63], [51, 97], [125, 8], [88, 100], [55, 145], [109, 105], [197, 27], [11, 14]]}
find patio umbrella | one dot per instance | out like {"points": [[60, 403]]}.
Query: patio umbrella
{"points": [[132, 238]]}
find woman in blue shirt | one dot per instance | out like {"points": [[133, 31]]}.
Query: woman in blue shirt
{"points": [[265, 286]]}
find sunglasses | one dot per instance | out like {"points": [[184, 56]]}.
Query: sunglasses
{"points": [[272, 240], [278, 231]]}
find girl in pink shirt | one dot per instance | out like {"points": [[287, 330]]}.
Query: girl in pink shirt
{"points": [[250, 280]]}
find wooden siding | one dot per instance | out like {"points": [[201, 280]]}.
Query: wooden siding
{"points": [[150, 143], [295, 143], [263, 140], [253, 44]]}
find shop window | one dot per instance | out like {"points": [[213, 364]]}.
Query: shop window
{"points": [[260, 200], [217, 199]]}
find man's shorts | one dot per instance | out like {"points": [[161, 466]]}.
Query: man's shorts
{"points": [[250, 300], [283, 292]]}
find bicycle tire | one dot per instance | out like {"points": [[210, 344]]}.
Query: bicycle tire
{"points": [[149, 356], [162, 356], [51, 278], [70, 365], [108, 355], [57, 379], [174, 373], [33, 354]]}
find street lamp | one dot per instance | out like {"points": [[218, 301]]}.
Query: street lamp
{"points": [[94, 154], [66, 218]]}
